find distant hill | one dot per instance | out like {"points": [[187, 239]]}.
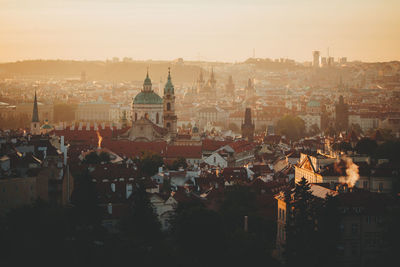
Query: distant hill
{"points": [[99, 70]]}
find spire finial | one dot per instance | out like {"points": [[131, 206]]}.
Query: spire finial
{"points": [[169, 73], [147, 75], [35, 113]]}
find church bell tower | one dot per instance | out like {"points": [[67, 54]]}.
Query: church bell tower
{"points": [[170, 119]]}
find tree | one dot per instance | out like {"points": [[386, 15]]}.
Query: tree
{"points": [[330, 131], [233, 127], [366, 146], [91, 158], [342, 146], [32, 230], [141, 225], [85, 214], [149, 163], [389, 150], [314, 129], [356, 128], [292, 127], [300, 227], [104, 157], [198, 232], [180, 162]]}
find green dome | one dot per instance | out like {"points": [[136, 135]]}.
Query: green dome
{"points": [[147, 98], [147, 81], [313, 103]]}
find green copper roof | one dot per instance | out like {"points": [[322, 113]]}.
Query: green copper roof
{"points": [[147, 98], [46, 126], [169, 87], [313, 103], [147, 81]]}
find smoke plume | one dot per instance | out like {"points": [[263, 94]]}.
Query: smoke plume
{"points": [[352, 174]]}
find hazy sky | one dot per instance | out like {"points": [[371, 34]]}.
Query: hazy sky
{"points": [[224, 30]]}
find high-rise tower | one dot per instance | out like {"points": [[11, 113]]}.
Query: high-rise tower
{"points": [[315, 59], [170, 119], [35, 124]]}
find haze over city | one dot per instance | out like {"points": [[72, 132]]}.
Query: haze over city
{"points": [[220, 30]]}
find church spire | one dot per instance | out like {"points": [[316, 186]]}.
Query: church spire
{"points": [[147, 82], [35, 113], [169, 87]]}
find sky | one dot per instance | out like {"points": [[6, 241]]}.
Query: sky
{"points": [[210, 30]]}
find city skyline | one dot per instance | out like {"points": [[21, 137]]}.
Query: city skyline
{"points": [[221, 31]]}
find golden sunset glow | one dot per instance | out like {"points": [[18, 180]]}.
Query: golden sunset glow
{"points": [[221, 30]]}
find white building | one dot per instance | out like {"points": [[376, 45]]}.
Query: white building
{"points": [[148, 104]]}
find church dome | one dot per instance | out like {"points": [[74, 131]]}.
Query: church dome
{"points": [[147, 98], [46, 125], [147, 81]]}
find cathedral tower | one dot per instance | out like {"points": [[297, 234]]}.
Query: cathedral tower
{"points": [[230, 87], [170, 119], [35, 124], [250, 88], [248, 126]]}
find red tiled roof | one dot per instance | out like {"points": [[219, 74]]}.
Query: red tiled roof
{"points": [[183, 151], [242, 145], [132, 149], [212, 145]]}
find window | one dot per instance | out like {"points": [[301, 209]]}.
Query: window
{"points": [[168, 125], [365, 184], [157, 118], [135, 116], [354, 249], [168, 106], [380, 187], [113, 187], [354, 228]]}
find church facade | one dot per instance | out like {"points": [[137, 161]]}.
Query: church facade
{"points": [[148, 104], [153, 117]]}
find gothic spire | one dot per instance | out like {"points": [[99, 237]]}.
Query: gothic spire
{"points": [[35, 113]]}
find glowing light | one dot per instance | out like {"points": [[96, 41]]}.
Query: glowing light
{"points": [[100, 139]]}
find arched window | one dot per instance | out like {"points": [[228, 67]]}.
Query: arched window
{"points": [[168, 125], [135, 116], [157, 118], [168, 106]]}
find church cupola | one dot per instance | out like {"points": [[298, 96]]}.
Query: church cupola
{"points": [[170, 119], [147, 83], [169, 87]]}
